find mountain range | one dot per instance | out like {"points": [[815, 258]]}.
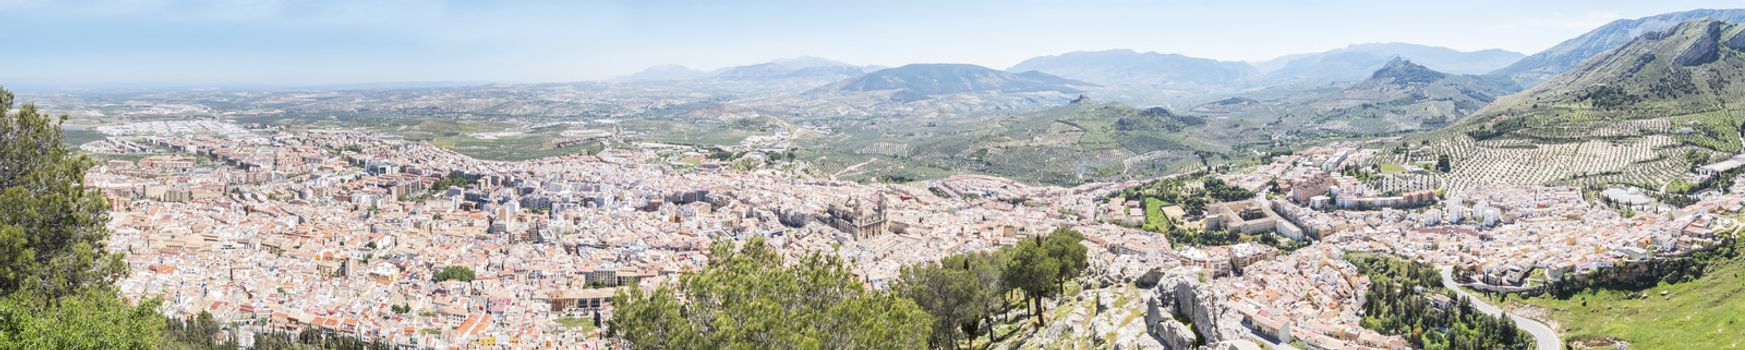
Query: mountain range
{"points": [[1643, 114], [1399, 96], [1357, 62], [1545, 64], [920, 81], [1694, 67], [804, 67], [1149, 70], [1174, 72]]}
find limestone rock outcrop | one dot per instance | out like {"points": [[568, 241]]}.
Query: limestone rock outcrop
{"points": [[1179, 296]]}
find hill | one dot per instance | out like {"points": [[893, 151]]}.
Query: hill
{"points": [[1356, 62], [1689, 68], [1143, 70], [922, 81], [1641, 114], [1697, 314], [804, 67], [1073, 143], [1399, 96], [663, 73], [1533, 69], [1403, 96]]}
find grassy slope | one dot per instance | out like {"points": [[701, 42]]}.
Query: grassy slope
{"points": [[1708, 313]]}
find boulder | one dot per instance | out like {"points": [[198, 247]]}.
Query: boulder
{"points": [[1150, 277], [1180, 296], [1173, 335], [1234, 345]]}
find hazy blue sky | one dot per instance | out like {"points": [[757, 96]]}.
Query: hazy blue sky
{"points": [[100, 42]]}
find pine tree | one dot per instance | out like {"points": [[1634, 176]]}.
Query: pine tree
{"points": [[56, 277]]}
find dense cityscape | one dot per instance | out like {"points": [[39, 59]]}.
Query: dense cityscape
{"points": [[1582, 193]]}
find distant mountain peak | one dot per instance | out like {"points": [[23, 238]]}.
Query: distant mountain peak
{"points": [[922, 80], [664, 72], [1403, 71], [1358, 61], [803, 67], [1143, 70], [809, 61]]}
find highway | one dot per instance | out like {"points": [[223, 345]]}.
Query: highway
{"points": [[1543, 336]]}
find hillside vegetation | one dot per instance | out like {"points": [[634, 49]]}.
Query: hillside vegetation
{"points": [[1075, 143], [1401, 96], [1641, 114]]}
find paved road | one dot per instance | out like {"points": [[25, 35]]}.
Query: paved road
{"points": [[1542, 334]]}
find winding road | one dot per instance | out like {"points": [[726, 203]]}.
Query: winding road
{"points": [[1543, 336]]}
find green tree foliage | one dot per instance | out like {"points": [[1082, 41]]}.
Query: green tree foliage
{"points": [[748, 299], [1040, 267], [197, 333], [312, 339], [1063, 246], [1399, 302], [51, 227], [55, 275], [962, 292], [1224, 192], [451, 180], [95, 318], [455, 273], [1193, 192]]}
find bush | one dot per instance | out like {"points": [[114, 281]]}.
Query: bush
{"points": [[458, 273]]}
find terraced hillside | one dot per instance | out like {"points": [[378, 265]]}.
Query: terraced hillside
{"points": [[1640, 114]]}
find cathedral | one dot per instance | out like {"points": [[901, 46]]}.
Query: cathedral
{"points": [[858, 218]]}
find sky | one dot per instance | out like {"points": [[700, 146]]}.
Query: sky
{"points": [[116, 43]]}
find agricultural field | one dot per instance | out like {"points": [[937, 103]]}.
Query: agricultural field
{"points": [[1391, 168], [1579, 151], [76, 137], [701, 132], [1066, 145], [488, 140]]}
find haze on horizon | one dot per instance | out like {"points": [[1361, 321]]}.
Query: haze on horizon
{"points": [[116, 43]]}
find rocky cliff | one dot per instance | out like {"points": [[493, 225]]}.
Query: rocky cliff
{"points": [[1180, 296]]}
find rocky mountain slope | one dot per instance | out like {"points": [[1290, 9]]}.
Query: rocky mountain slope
{"points": [[1543, 65], [1694, 67], [1641, 114]]}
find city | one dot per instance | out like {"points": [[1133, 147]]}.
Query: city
{"points": [[1381, 195]]}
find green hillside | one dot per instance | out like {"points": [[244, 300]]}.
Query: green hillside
{"points": [[1641, 114], [1070, 144], [1700, 314], [1401, 96]]}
